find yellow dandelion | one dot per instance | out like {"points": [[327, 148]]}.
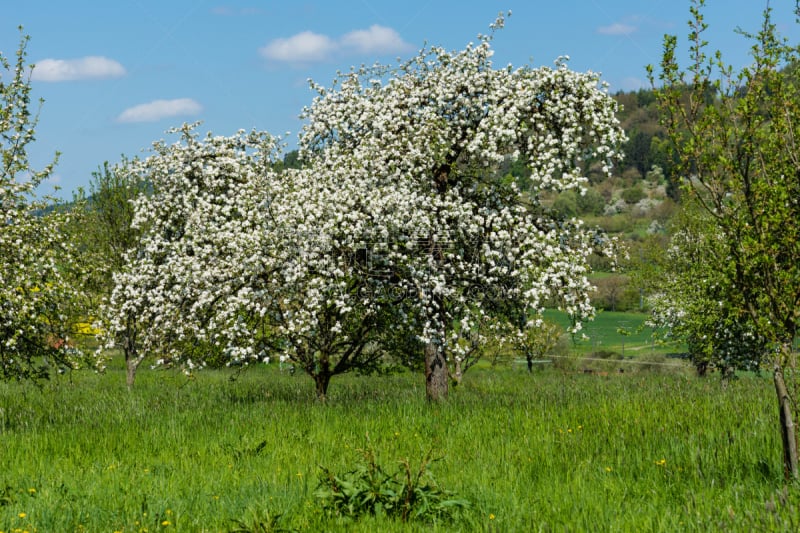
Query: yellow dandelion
{"points": [[661, 462], [608, 469], [165, 523], [31, 491], [491, 516], [22, 515]]}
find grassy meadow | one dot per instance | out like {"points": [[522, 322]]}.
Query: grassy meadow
{"points": [[554, 450]]}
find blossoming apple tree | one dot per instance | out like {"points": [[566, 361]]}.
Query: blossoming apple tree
{"points": [[240, 262], [35, 295], [439, 127]]}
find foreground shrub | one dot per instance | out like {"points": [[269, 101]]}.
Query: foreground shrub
{"points": [[405, 494]]}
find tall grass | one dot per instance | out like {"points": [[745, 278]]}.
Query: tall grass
{"points": [[532, 452]]}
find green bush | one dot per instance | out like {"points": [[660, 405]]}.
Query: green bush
{"points": [[566, 204], [370, 490], [633, 194]]}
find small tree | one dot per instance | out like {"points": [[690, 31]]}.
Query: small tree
{"points": [[104, 220], [241, 260], [36, 305], [735, 135], [188, 237], [690, 299]]}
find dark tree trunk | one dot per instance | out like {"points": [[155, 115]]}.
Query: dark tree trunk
{"points": [[788, 433], [435, 372], [322, 380]]}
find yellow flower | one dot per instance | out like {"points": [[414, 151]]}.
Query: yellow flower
{"points": [[661, 462], [22, 515], [31, 491], [608, 469], [491, 516], [165, 523]]}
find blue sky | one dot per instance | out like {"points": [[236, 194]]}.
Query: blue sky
{"points": [[116, 75]]}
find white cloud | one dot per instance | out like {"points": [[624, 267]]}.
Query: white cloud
{"points": [[90, 67], [376, 40], [310, 47], [305, 47], [618, 28], [158, 109]]}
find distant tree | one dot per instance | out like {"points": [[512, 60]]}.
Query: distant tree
{"points": [[536, 341], [690, 301], [102, 226], [566, 204], [591, 202], [735, 135], [614, 293], [631, 195], [638, 151]]}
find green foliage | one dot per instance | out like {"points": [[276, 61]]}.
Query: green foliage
{"points": [[566, 204], [735, 137], [590, 203], [407, 494], [258, 522], [101, 232], [633, 194]]}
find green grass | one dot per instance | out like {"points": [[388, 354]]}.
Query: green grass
{"points": [[533, 452], [605, 333]]}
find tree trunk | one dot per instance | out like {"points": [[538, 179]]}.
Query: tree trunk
{"points": [[788, 434], [458, 372], [322, 380], [435, 372], [131, 364]]}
